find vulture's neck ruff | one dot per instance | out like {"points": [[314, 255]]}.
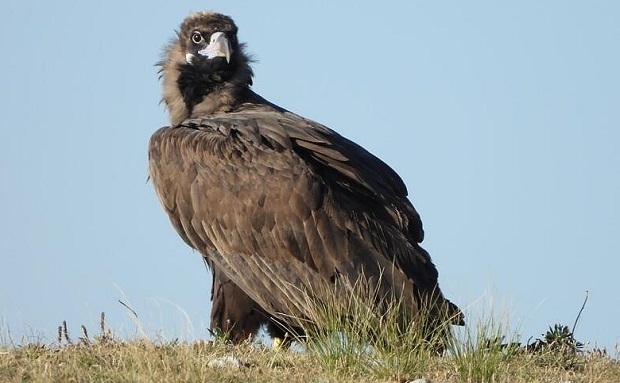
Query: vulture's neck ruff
{"points": [[203, 77]]}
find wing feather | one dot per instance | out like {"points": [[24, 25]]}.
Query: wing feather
{"points": [[279, 202]]}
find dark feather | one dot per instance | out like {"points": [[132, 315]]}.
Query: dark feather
{"points": [[274, 201]]}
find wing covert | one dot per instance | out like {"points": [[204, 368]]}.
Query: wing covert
{"points": [[277, 196]]}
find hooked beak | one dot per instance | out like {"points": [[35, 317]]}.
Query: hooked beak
{"points": [[218, 47]]}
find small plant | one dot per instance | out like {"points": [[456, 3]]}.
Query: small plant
{"points": [[220, 335], [558, 338], [558, 345]]}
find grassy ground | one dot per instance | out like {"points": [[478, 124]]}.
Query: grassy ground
{"points": [[477, 354], [355, 343], [140, 361]]}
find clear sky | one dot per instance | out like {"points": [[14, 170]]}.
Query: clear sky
{"points": [[502, 119]]}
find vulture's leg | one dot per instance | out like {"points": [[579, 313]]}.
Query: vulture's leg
{"points": [[233, 312]]}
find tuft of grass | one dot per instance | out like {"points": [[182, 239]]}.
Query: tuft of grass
{"points": [[354, 329], [481, 354]]}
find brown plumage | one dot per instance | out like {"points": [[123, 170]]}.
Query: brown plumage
{"points": [[278, 205]]}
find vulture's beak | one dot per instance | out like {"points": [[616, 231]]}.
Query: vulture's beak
{"points": [[218, 47]]}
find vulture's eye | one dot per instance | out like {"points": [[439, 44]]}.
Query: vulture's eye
{"points": [[197, 38]]}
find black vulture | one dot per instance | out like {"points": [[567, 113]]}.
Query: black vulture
{"points": [[278, 205]]}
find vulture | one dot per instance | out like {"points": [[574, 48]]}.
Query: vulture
{"points": [[279, 206]]}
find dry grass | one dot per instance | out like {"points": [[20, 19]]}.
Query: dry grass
{"points": [[474, 354], [140, 361], [354, 344]]}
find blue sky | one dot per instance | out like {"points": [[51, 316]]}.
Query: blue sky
{"points": [[502, 119]]}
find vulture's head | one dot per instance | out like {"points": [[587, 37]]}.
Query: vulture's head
{"points": [[204, 68]]}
